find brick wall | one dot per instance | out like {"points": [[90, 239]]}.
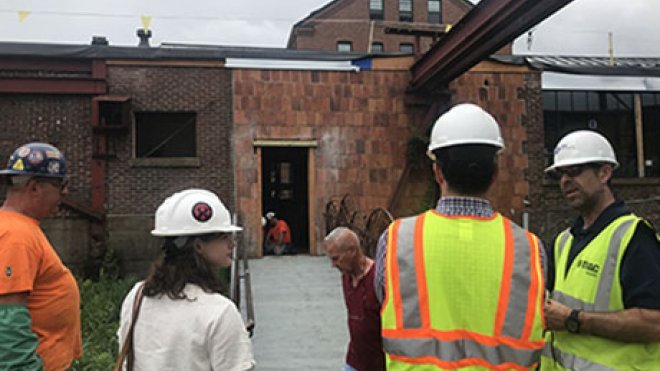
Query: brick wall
{"points": [[206, 91], [134, 192], [64, 121], [359, 120], [355, 25]]}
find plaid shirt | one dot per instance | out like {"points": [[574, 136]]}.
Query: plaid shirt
{"points": [[467, 206]]}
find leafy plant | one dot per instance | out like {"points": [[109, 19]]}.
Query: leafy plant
{"points": [[100, 306]]}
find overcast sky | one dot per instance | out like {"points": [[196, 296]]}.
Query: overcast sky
{"points": [[580, 28]]}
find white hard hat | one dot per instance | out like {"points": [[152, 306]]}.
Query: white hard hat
{"points": [[465, 123], [270, 215], [583, 147], [192, 212]]}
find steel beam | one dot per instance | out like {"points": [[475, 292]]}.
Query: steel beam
{"points": [[488, 27], [52, 86]]}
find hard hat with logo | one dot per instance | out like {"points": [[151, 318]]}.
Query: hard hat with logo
{"points": [[36, 159], [465, 123], [192, 212], [583, 147]]}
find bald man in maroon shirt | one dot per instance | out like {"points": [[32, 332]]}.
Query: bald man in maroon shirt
{"points": [[365, 349]]}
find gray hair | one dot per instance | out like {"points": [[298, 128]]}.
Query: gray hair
{"points": [[341, 233]]}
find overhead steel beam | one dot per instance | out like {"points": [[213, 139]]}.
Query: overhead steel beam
{"points": [[485, 29], [52, 86]]}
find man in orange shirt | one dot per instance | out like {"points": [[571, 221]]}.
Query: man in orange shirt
{"points": [[39, 298], [278, 238]]}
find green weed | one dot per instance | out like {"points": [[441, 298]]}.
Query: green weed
{"points": [[100, 306]]}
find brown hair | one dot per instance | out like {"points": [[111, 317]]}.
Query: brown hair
{"points": [[179, 266]]}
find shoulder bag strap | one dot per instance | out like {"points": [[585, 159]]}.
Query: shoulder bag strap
{"points": [[126, 352]]}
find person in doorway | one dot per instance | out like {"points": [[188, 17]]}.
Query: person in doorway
{"points": [[461, 285], [39, 298], [365, 347], [604, 271], [278, 237], [177, 319]]}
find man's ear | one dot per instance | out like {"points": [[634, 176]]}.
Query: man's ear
{"points": [[32, 185], [605, 173], [437, 174]]}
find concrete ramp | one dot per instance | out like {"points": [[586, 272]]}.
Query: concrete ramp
{"points": [[299, 312]]}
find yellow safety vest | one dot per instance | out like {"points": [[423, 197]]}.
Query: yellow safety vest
{"points": [[462, 293], [592, 284]]}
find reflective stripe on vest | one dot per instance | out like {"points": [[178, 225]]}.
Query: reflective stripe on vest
{"points": [[570, 361], [453, 351], [518, 306], [602, 302]]}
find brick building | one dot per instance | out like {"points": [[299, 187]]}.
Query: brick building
{"points": [[377, 25], [266, 129]]}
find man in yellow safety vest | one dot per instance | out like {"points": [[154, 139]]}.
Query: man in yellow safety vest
{"points": [[461, 285], [603, 272]]}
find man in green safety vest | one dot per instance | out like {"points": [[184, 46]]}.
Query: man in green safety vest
{"points": [[603, 272], [461, 285]]}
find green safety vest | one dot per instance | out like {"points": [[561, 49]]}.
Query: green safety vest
{"points": [[592, 284], [462, 293]]}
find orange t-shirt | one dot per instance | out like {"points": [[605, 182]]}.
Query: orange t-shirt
{"points": [[279, 227], [29, 263]]}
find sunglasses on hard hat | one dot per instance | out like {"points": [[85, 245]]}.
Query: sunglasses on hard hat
{"points": [[571, 171]]}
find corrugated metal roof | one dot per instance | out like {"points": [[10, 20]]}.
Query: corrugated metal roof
{"points": [[585, 65]]}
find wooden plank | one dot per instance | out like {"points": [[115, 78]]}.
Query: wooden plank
{"points": [[285, 143], [260, 230], [311, 184], [639, 135]]}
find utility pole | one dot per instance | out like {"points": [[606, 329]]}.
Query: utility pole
{"points": [[611, 48]]}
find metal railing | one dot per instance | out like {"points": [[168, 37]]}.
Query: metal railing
{"points": [[239, 255]]}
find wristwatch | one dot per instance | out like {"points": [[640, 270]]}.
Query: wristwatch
{"points": [[572, 322]]}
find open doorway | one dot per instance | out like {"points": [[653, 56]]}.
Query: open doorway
{"points": [[285, 191]]}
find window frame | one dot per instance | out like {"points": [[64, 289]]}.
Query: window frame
{"points": [[406, 15], [411, 45], [377, 13], [434, 17], [622, 108], [190, 159], [344, 42]]}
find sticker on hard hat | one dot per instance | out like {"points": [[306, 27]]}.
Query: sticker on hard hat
{"points": [[53, 154], [36, 157], [18, 165], [53, 167], [202, 212], [562, 147], [23, 151]]}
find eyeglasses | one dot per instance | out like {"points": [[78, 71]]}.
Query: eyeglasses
{"points": [[571, 171], [59, 183]]}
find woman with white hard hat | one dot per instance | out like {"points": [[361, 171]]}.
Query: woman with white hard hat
{"points": [[177, 319]]}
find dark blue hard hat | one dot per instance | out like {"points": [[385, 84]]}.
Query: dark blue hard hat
{"points": [[36, 159]]}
